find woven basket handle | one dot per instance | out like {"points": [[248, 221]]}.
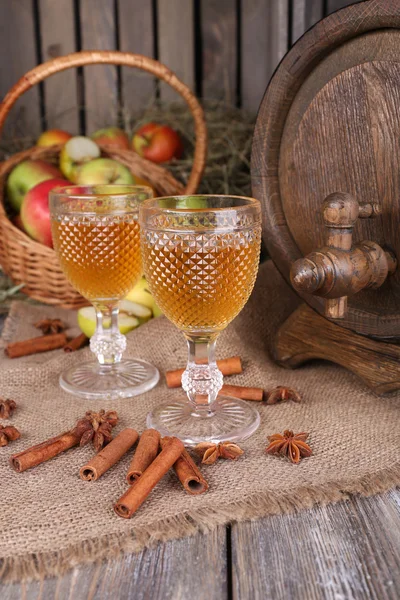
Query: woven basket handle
{"points": [[80, 59]]}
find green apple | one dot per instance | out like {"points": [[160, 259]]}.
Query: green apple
{"points": [[142, 295], [157, 312], [102, 171], [192, 202], [76, 152], [25, 176], [189, 202], [105, 189], [131, 315]]}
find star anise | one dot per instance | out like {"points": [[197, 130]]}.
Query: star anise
{"points": [[8, 434], [50, 326], [210, 453], [7, 408], [291, 445], [96, 427], [282, 394]]}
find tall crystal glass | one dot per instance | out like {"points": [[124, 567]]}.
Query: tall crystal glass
{"points": [[97, 240], [200, 258]]}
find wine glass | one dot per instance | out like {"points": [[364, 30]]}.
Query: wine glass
{"points": [[200, 258], [97, 240]]}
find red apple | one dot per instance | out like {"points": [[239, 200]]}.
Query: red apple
{"points": [[25, 176], [35, 212], [53, 137], [111, 136], [158, 143]]}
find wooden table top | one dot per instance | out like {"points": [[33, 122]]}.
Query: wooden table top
{"points": [[344, 551]]}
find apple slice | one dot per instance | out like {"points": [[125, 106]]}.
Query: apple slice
{"points": [[76, 152], [142, 295], [87, 321], [134, 309]]}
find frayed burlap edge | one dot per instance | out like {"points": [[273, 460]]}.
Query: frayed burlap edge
{"points": [[38, 566]]}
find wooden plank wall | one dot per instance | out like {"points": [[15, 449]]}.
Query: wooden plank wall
{"points": [[222, 49]]}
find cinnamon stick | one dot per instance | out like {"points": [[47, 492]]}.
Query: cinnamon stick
{"points": [[44, 451], [146, 452], [243, 392], [110, 455], [188, 473], [76, 343], [227, 366], [43, 343], [134, 497]]}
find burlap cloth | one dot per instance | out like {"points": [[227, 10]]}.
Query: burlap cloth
{"points": [[51, 520]]}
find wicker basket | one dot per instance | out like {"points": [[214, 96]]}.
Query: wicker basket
{"points": [[35, 265]]}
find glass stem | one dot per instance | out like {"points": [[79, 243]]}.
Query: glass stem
{"points": [[107, 342], [202, 379]]}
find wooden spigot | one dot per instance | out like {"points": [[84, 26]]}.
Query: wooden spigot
{"points": [[340, 269]]}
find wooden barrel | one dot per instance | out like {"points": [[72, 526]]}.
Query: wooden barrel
{"points": [[330, 122]]}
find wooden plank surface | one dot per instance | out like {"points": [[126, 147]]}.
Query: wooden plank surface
{"points": [[18, 55], [194, 567], [219, 49], [265, 39], [349, 550], [57, 28], [305, 13], [100, 82], [135, 22], [176, 42]]}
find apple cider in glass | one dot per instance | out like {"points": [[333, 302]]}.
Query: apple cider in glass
{"points": [[200, 258], [201, 281], [97, 241], [100, 254]]}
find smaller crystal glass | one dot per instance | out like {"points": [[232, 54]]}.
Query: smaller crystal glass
{"points": [[200, 258], [97, 240]]}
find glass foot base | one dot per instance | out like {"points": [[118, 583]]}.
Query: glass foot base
{"points": [[128, 378], [230, 419]]}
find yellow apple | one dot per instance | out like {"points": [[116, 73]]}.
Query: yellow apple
{"points": [[52, 137]]}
